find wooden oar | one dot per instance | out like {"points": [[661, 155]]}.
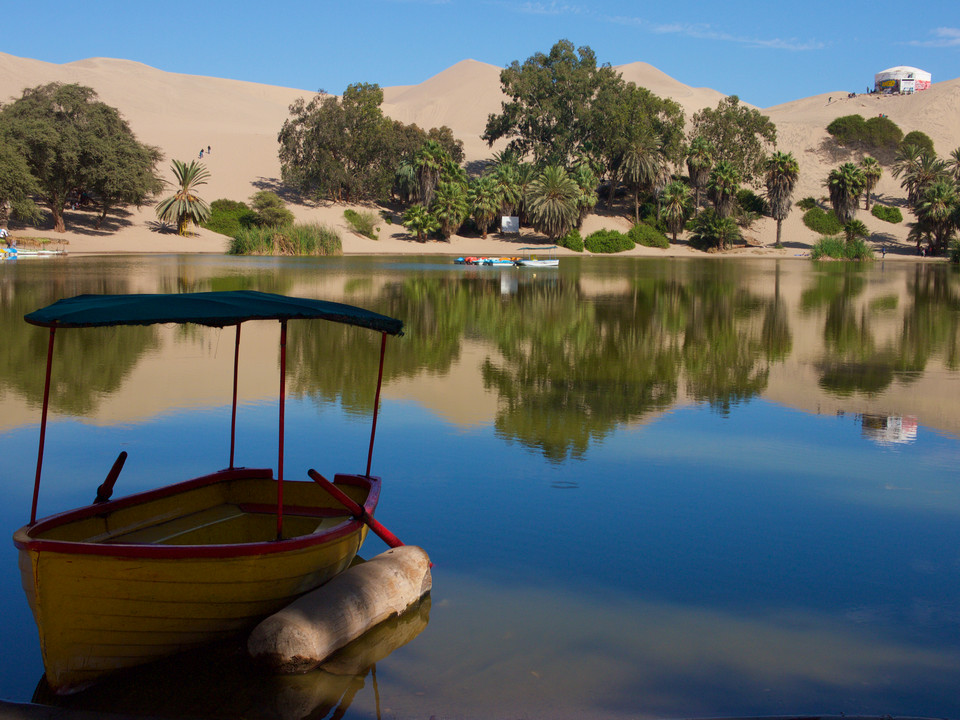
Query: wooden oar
{"points": [[106, 489], [355, 509]]}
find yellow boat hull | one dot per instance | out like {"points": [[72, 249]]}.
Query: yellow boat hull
{"points": [[140, 578]]}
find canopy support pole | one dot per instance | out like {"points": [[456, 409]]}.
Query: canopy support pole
{"points": [[43, 425], [283, 394], [233, 417], [376, 400]]}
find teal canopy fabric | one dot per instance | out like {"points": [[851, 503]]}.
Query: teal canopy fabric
{"points": [[215, 309]]}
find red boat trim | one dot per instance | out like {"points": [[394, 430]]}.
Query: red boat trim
{"points": [[23, 539]]}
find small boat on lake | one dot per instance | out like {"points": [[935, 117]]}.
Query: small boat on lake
{"points": [[123, 582], [535, 259]]}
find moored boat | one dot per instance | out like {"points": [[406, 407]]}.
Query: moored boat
{"points": [[535, 259], [127, 581]]}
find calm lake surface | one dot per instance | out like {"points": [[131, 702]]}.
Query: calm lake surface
{"points": [[650, 488]]}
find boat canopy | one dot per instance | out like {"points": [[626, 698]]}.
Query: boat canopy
{"points": [[214, 309]]}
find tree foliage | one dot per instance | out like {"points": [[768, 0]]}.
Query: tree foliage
{"points": [[16, 186], [876, 134], [345, 149], [845, 184], [782, 173], [739, 135], [552, 202], [73, 142], [185, 206]]}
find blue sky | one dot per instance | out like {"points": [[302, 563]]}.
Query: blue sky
{"points": [[765, 52]]}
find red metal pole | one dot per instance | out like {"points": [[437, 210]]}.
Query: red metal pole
{"points": [[376, 401], [283, 394], [356, 509], [233, 417], [43, 425]]}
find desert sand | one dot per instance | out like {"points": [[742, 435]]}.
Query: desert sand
{"points": [[239, 121]]}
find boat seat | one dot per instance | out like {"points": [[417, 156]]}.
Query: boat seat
{"points": [[161, 532]]}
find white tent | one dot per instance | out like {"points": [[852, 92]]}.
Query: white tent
{"points": [[901, 79]]}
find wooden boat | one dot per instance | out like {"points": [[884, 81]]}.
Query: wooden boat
{"points": [[127, 581], [535, 260]]}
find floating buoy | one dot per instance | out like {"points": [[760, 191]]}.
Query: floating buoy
{"points": [[313, 627]]}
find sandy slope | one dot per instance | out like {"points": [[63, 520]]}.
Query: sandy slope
{"points": [[183, 113]]}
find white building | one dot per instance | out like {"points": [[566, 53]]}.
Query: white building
{"points": [[901, 79]]}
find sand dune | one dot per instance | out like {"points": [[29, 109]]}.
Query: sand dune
{"points": [[239, 120]]}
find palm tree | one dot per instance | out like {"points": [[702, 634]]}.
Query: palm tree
{"points": [[587, 197], [845, 184], [855, 229], [712, 229], [185, 206], [937, 211], [450, 207], [675, 206], [925, 173], [484, 200], [405, 183], [507, 179], [872, 172], [723, 185], [552, 202], [417, 219], [953, 164], [699, 163], [429, 161], [639, 167], [782, 174]]}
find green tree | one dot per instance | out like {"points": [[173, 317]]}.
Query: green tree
{"points": [[872, 172], [271, 212], [639, 168], [507, 178], [72, 141], [920, 139], [738, 134], [550, 98], [845, 184], [429, 162], [484, 200], [699, 163], [450, 207], [953, 164], [586, 181], [344, 149], [782, 172], [552, 202], [925, 172], [185, 206], [675, 206], [417, 219], [16, 186], [723, 186], [937, 212], [711, 230], [855, 229]]}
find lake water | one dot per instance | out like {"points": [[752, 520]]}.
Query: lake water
{"points": [[650, 488]]}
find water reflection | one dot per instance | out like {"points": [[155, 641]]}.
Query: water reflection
{"points": [[220, 681], [651, 488]]}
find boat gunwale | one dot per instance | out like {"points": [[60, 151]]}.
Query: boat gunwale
{"points": [[23, 538]]}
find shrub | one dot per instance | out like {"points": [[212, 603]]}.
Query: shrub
{"points": [[709, 231], [889, 214], [364, 222], [824, 222], [751, 202], [310, 239], [228, 217], [838, 248], [572, 241], [270, 209], [648, 236], [808, 203], [607, 241], [877, 133], [919, 139], [954, 252]]}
